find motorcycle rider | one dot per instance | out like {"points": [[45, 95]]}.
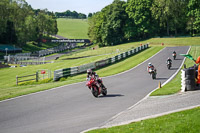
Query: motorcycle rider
{"points": [[150, 66], [169, 60], [91, 74], [174, 54]]}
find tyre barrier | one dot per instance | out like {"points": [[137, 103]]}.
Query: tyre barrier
{"points": [[188, 79]]}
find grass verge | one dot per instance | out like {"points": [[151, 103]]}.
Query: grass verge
{"points": [[181, 122]]}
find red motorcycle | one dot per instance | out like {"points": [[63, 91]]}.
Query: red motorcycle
{"points": [[96, 87]]}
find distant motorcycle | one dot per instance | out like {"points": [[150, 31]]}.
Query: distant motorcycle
{"points": [[174, 55], [169, 64], [96, 88], [153, 73]]}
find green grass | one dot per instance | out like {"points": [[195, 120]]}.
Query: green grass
{"points": [[179, 41], [73, 28], [30, 47], [181, 122], [174, 86]]}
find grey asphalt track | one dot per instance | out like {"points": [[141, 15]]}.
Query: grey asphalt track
{"points": [[72, 108]]}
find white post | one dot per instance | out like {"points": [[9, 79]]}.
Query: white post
{"points": [[183, 83], [8, 58], [6, 50], [43, 59]]}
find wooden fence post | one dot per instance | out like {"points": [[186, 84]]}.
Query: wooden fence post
{"points": [[36, 76], [17, 80]]}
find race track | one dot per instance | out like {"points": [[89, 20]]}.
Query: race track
{"points": [[72, 108]]}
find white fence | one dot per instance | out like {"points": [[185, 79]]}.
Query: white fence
{"points": [[41, 53]]}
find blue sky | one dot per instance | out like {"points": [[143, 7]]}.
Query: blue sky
{"points": [[81, 6]]}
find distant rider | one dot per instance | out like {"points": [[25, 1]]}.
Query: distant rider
{"points": [[91, 74], [150, 66], [169, 60], [174, 54]]}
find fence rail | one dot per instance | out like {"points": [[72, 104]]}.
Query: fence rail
{"points": [[19, 81], [80, 69]]}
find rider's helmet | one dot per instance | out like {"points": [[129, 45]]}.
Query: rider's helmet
{"points": [[168, 58], [89, 71], [150, 64]]}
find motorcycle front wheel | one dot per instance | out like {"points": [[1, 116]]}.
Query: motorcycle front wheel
{"points": [[168, 66], [104, 91], [153, 75], [95, 91]]}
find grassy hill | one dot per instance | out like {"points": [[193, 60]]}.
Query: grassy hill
{"points": [[73, 28]]}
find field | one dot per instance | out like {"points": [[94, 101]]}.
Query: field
{"points": [[73, 28], [180, 41]]}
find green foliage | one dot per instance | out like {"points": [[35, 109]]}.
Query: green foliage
{"points": [[139, 12], [106, 27], [141, 19], [20, 23], [194, 16], [70, 14]]}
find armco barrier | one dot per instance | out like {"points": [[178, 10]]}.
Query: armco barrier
{"points": [[83, 68]]}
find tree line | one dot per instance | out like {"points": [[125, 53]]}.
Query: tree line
{"points": [[20, 23], [69, 14], [133, 20]]}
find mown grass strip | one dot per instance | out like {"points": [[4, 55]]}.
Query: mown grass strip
{"points": [[73, 28], [181, 122]]}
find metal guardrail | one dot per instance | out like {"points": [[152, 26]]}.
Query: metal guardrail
{"points": [[80, 69]]}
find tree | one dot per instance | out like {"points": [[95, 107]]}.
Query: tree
{"points": [[194, 16], [139, 12], [90, 15], [170, 16], [106, 27], [20, 23]]}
